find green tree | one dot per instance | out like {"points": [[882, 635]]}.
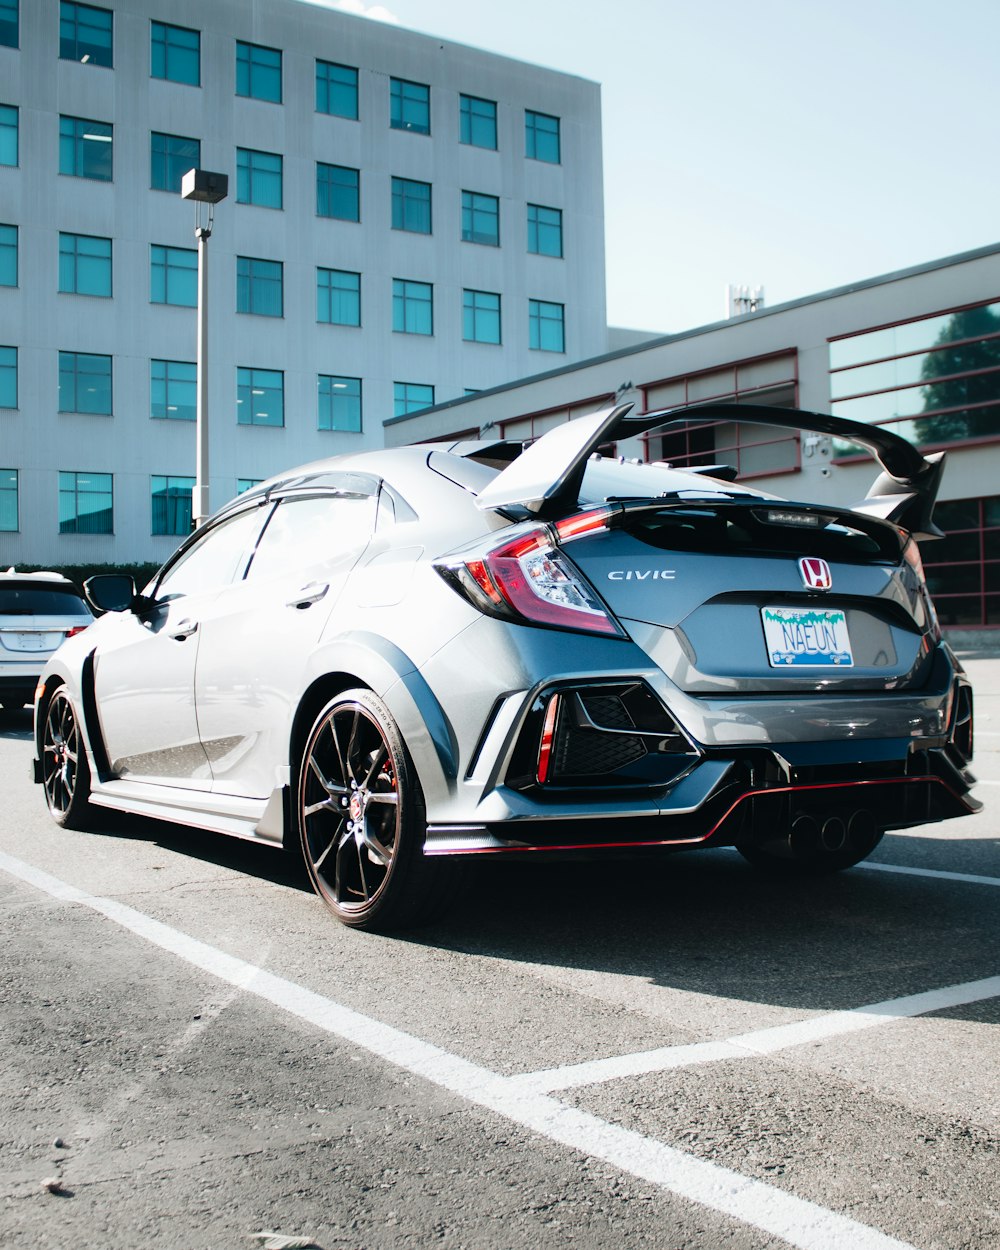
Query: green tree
{"points": [[969, 342]]}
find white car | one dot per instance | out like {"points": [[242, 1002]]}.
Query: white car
{"points": [[38, 612]]}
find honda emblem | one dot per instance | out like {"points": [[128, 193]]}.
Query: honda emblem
{"points": [[815, 573]]}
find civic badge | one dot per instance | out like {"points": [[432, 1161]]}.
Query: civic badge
{"points": [[815, 573]]}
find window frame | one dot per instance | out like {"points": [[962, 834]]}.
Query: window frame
{"points": [[537, 230], [179, 50], [407, 204], [412, 307], [92, 52], [9, 373], [258, 71], [352, 89], [189, 271], [102, 263], [325, 183], [479, 207], [72, 525], [83, 147], [6, 490], [468, 117], [537, 139], [539, 319], [251, 173], [473, 312], [339, 381], [254, 290], [169, 161], [254, 383], [409, 106], [170, 385], [78, 384], [343, 292], [174, 504], [10, 254]]}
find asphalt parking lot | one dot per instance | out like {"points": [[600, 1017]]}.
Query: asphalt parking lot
{"points": [[686, 1055]]}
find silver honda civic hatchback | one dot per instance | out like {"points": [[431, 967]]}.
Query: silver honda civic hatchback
{"points": [[398, 660]]}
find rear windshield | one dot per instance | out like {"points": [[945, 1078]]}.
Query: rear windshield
{"points": [[41, 601], [750, 530]]}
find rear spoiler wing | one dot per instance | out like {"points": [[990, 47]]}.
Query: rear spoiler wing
{"points": [[547, 477]]}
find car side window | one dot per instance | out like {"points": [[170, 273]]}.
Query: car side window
{"points": [[215, 560], [303, 532]]}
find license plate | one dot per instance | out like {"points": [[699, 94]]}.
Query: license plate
{"points": [[31, 642], [813, 637]]}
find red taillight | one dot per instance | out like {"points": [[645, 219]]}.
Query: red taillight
{"points": [[531, 579], [76, 629]]}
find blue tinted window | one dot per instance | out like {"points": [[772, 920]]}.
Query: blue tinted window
{"points": [[339, 404], [409, 106], [173, 389], [8, 377], [175, 53], [247, 483], [411, 397], [9, 39], [338, 297], [170, 157], [546, 331], [411, 205], [258, 178], [545, 230], [85, 33], [480, 219], [259, 287], [260, 396], [258, 72], [8, 500], [338, 192], [478, 122], [85, 148], [336, 89], [481, 316], [173, 275], [8, 255], [86, 504], [412, 307], [541, 137], [8, 135], [84, 264], [171, 500], [85, 383]]}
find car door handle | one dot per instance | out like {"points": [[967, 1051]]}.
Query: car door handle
{"points": [[183, 629], [309, 595]]}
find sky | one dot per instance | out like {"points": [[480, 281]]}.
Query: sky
{"points": [[788, 144]]}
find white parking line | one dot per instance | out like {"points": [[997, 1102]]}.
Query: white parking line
{"points": [[968, 878], [800, 1223], [760, 1042]]}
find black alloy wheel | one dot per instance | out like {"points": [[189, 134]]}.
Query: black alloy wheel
{"points": [[361, 819], [65, 771]]}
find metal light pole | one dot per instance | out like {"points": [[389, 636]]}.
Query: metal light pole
{"points": [[204, 187]]}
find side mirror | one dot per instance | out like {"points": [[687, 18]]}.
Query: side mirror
{"points": [[110, 592]]}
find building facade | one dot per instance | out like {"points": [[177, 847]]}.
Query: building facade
{"points": [[917, 351], [408, 220]]}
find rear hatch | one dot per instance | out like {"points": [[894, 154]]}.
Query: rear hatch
{"points": [[743, 594], [35, 619]]}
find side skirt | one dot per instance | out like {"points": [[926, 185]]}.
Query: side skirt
{"points": [[250, 819]]}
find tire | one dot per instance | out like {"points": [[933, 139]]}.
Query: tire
{"points": [[361, 820], [65, 770]]}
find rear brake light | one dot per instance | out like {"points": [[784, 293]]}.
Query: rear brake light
{"points": [[529, 578], [76, 629]]}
